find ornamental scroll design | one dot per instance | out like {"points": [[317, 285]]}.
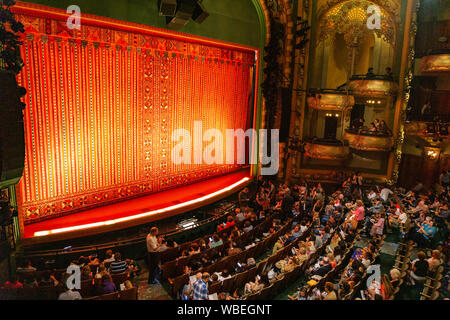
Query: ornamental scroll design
{"points": [[350, 19]]}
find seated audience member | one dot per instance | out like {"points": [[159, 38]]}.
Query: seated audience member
{"points": [[233, 249], [133, 267], [86, 273], [48, 280], [239, 215], [27, 267], [118, 265], [419, 268], [321, 268], [100, 272], [70, 295], [395, 277], [435, 261], [194, 249], [257, 285], [109, 257], [330, 293], [12, 283], [216, 241], [247, 226], [425, 233], [107, 285]]}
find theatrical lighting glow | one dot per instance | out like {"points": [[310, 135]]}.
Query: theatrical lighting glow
{"points": [[142, 215]]}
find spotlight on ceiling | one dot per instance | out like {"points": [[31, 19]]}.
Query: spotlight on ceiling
{"points": [[167, 7]]}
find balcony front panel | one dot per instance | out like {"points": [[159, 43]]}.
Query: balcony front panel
{"points": [[435, 63], [369, 142], [331, 102], [326, 152], [373, 88]]}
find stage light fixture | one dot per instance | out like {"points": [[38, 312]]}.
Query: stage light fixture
{"points": [[200, 13], [167, 7], [185, 9]]}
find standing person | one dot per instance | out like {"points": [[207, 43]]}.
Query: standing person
{"points": [[359, 213], [153, 245], [201, 288], [244, 198]]}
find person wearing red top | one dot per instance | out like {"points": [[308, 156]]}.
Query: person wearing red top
{"points": [[359, 213], [13, 284], [230, 223]]}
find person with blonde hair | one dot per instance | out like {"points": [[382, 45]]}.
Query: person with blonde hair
{"points": [[435, 261], [395, 277], [386, 288]]}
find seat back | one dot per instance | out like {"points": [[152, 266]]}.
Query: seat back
{"points": [[129, 294], [169, 269], [87, 289], [215, 287], [228, 285], [119, 278], [110, 296]]}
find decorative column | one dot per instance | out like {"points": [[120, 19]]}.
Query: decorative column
{"points": [[298, 104], [405, 78]]}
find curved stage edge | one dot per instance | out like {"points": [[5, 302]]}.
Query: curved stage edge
{"points": [[136, 211]]}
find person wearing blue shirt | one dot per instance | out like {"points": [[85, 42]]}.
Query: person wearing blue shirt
{"points": [[425, 233], [201, 288]]}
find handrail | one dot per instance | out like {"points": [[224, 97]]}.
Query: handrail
{"points": [[117, 243], [382, 77], [367, 133]]}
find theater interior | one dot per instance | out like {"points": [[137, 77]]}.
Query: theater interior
{"points": [[224, 150]]}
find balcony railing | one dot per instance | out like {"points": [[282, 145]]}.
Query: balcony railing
{"points": [[372, 86], [327, 149], [368, 140], [330, 100], [436, 61]]}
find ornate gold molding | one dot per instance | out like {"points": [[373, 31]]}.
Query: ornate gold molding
{"points": [[369, 143], [435, 63], [373, 88], [331, 101], [326, 152]]}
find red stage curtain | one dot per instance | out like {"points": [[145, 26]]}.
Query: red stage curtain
{"points": [[102, 104]]}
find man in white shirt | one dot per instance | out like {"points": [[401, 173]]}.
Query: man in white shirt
{"points": [[153, 248], [402, 217], [385, 193], [372, 195]]}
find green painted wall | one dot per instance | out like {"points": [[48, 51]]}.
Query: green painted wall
{"points": [[230, 20]]}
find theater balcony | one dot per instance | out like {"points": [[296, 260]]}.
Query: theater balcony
{"points": [[331, 100], [325, 149], [436, 61], [427, 129], [377, 86], [366, 141]]}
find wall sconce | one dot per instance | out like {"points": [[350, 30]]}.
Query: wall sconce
{"points": [[432, 153]]}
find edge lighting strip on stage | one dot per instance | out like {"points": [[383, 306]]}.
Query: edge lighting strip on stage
{"points": [[142, 215], [102, 103]]}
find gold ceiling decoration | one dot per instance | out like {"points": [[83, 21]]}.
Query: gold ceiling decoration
{"points": [[350, 19]]}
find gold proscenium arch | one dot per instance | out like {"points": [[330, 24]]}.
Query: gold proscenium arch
{"points": [[350, 17]]}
